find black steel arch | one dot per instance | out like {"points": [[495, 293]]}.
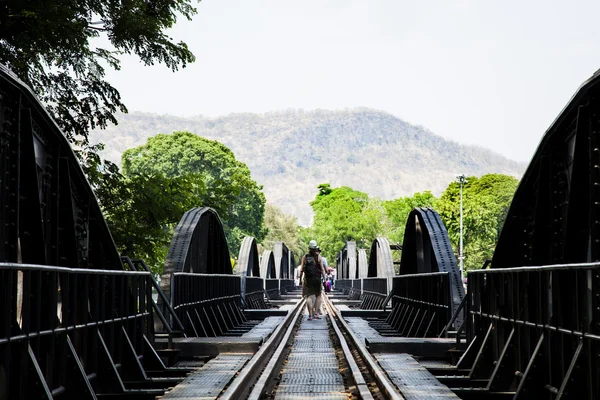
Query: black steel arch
{"points": [[48, 210], [554, 217], [199, 244], [381, 263], [347, 262], [282, 260], [267, 265], [248, 264], [427, 248], [362, 264]]}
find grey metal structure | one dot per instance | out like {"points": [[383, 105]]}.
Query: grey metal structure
{"points": [[198, 246], [267, 265], [427, 248], [75, 324], [282, 260], [248, 260], [363, 264], [248, 268]]}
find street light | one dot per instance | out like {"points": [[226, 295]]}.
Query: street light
{"points": [[461, 180]]}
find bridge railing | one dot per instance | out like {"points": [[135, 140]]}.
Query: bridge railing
{"points": [[207, 304], [286, 285], [344, 285], [374, 293], [356, 289], [255, 292], [272, 288], [421, 304], [63, 329], [535, 329]]}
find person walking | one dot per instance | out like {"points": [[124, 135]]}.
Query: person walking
{"points": [[312, 270], [323, 282]]}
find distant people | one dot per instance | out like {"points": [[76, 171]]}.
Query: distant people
{"points": [[312, 270], [328, 283], [324, 281]]}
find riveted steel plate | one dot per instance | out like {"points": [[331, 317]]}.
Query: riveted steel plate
{"points": [[211, 379], [292, 371], [310, 388], [308, 364], [309, 395], [312, 345], [411, 378], [317, 378], [313, 334]]}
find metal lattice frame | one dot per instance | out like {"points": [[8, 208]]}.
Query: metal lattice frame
{"points": [[282, 260], [381, 263], [252, 285], [363, 264], [198, 246], [75, 324], [48, 210], [532, 325], [348, 261], [554, 216], [267, 265], [427, 248], [248, 264]]}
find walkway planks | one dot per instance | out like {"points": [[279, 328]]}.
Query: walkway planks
{"points": [[412, 379], [312, 369], [208, 381]]}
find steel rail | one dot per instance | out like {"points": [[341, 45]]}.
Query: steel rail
{"points": [[276, 360], [359, 380], [240, 387], [385, 384]]}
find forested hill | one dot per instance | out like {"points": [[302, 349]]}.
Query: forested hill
{"points": [[291, 152]]}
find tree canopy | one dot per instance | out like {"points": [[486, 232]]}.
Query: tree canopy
{"points": [[222, 182], [282, 227], [485, 205], [142, 210], [343, 214], [60, 48], [397, 211]]}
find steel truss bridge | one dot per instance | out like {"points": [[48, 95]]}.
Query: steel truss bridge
{"points": [[80, 321]]}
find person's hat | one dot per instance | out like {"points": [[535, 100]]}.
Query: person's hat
{"points": [[313, 245]]}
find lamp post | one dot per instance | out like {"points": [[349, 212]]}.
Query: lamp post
{"points": [[461, 180]]}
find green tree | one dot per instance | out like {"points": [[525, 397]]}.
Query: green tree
{"points": [[344, 214], [397, 211], [229, 188], [54, 47], [284, 228], [143, 210], [485, 205]]}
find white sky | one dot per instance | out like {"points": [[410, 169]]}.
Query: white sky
{"points": [[491, 73]]}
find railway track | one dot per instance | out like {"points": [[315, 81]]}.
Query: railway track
{"points": [[320, 358]]}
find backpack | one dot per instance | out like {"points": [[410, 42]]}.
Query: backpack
{"points": [[310, 267]]}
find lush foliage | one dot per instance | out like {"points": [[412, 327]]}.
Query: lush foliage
{"points": [[142, 210], [396, 213], [52, 45], [284, 228], [485, 205], [225, 182], [343, 214]]}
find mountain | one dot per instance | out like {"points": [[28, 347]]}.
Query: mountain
{"points": [[291, 152]]}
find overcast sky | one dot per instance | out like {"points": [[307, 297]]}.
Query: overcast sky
{"points": [[491, 73]]}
